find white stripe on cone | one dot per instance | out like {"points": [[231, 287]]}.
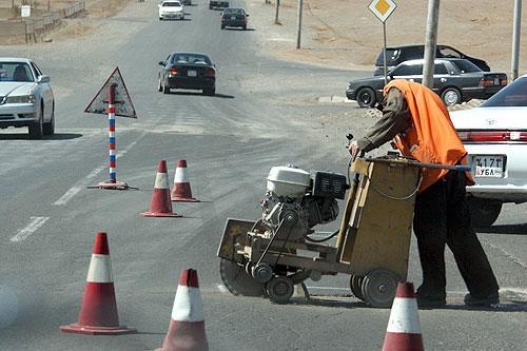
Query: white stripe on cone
{"points": [[187, 305], [100, 270], [181, 175], [404, 307], [161, 181]]}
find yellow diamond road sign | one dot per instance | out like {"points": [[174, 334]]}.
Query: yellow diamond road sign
{"points": [[382, 8]]}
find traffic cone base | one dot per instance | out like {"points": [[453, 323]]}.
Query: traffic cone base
{"points": [[181, 192], [98, 313], [404, 330], [112, 186]]}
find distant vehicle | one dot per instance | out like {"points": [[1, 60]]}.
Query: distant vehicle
{"points": [[455, 80], [397, 54], [495, 136], [171, 9], [218, 4], [234, 17], [26, 97], [183, 70], [186, 2]]}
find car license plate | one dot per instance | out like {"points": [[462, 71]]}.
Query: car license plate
{"points": [[488, 166], [191, 73]]}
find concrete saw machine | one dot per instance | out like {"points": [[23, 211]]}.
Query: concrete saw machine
{"points": [[270, 255]]}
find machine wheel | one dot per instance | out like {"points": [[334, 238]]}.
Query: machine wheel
{"points": [[238, 281], [484, 212], [355, 285], [366, 97], [379, 286], [280, 289]]}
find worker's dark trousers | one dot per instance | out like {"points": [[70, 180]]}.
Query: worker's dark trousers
{"points": [[442, 217]]}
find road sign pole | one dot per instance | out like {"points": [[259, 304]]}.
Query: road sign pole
{"points": [[112, 184], [111, 134]]}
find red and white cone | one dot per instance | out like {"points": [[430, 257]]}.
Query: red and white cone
{"points": [[181, 190], [161, 205], [187, 327], [98, 313], [404, 330]]}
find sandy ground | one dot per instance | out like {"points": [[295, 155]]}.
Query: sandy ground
{"points": [[346, 34]]}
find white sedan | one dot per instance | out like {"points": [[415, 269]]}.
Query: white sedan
{"points": [[26, 97], [495, 136], [171, 9]]}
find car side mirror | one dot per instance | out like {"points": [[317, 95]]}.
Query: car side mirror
{"points": [[43, 79], [161, 63]]}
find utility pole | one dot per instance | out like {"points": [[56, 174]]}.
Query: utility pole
{"points": [[298, 36], [277, 12], [516, 38], [430, 43]]}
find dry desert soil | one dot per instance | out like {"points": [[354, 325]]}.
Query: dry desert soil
{"points": [[344, 33]]}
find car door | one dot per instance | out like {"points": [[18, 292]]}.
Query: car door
{"points": [[441, 76], [45, 91]]}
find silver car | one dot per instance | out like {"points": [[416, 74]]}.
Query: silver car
{"points": [[26, 97], [495, 136]]}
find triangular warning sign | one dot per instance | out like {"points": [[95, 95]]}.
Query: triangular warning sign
{"points": [[123, 103]]}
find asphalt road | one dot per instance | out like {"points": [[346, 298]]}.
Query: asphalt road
{"points": [[265, 113]]}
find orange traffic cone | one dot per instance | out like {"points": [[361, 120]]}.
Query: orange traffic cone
{"points": [[161, 206], [404, 331], [187, 327], [181, 190], [98, 313]]}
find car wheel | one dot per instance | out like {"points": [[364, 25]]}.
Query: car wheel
{"points": [[209, 91], [244, 27], [36, 129], [366, 97], [166, 90], [484, 212], [222, 27], [49, 127], [159, 85], [451, 96]]}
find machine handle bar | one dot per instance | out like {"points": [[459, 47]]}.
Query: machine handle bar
{"points": [[459, 168]]}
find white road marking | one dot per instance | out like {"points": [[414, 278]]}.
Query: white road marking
{"points": [[67, 196], [36, 222]]}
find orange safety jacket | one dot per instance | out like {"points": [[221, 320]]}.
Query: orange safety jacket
{"points": [[432, 137]]}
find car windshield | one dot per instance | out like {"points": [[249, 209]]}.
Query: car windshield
{"points": [[15, 72], [513, 95], [171, 4], [192, 59], [466, 66]]}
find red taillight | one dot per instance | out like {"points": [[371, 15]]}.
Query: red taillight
{"points": [[209, 72], [492, 136], [489, 81], [173, 71]]}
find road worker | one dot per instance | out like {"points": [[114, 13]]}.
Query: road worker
{"points": [[417, 122]]}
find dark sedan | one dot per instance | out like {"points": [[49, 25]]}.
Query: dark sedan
{"points": [[234, 17], [187, 71], [455, 80]]}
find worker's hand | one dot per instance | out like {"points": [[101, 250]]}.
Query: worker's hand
{"points": [[353, 149]]}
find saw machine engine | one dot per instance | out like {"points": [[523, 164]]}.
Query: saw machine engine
{"points": [[296, 201]]}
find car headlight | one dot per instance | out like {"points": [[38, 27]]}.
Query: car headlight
{"points": [[21, 99]]}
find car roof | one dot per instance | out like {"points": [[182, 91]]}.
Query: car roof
{"points": [[15, 59]]}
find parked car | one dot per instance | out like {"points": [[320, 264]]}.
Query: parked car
{"points": [[397, 54], [234, 17], [455, 80], [185, 70], [171, 9], [495, 136], [26, 97]]}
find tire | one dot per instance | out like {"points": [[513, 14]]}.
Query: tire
{"points": [[159, 85], [451, 96], [244, 27], [49, 127], [209, 91], [379, 286], [366, 97], [36, 129], [166, 90], [484, 212], [222, 26]]}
